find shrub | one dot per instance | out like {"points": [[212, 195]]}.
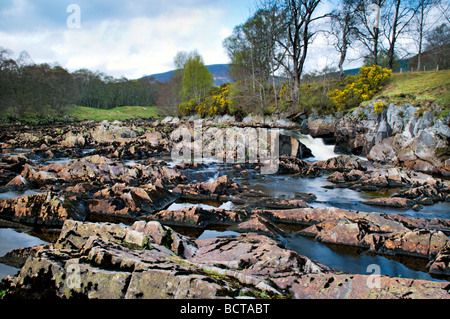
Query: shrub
{"points": [[379, 106], [360, 88], [216, 103], [187, 108], [219, 102]]}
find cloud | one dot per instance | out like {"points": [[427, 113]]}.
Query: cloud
{"points": [[121, 38], [144, 45]]}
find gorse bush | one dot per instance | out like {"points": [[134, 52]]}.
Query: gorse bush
{"points": [[216, 103], [362, 87], [379, 106]]}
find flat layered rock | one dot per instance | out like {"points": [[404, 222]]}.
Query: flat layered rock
{"points": [[333, 286], [306, 216], [396, 202], [151, 261], [42, 209], [199, 217], [440, 265]]}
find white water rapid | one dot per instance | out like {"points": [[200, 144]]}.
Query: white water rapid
{"points": [[318, 148]]}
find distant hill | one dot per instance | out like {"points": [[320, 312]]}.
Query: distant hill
{"points": [[221, 73]]}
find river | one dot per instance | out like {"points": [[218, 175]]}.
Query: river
{"points": [[344, 259]]}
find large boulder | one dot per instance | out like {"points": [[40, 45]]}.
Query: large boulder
{"points": [[324, 127], [292, 147]]}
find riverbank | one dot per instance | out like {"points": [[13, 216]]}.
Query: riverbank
{"points": [[119, 208]]}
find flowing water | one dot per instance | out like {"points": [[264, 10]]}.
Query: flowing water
{"points": [[319, 149], [345, 259]]}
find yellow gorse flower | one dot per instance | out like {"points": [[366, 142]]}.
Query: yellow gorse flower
{"points": [[360, 88]]}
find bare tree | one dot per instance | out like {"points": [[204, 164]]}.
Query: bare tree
{"points": [[368, 18], [444, 7], [397, 16], [343, 29], [421, 25], [298, 18]]}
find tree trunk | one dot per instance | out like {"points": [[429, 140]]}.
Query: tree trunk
{"points": [[274, 89], [342, 59], [375, 46], [419, 56], [394, 36]]}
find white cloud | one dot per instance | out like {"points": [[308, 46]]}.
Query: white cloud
{"points": [[143, 45], [132, 47]]}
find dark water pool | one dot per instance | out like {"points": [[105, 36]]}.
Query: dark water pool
{"points": [[11, 239], [357, 261]]}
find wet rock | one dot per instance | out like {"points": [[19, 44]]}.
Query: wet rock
{"points": [[343, 163], [332, 286], [381, 223], [18, 257], [425, 194], [395, 202], [73, 140], [380, 235], [155, 139], [292, 147], [41, 209], [222, 186], [289, 164], [256, 255], [259, 225], [336, 177], [344, 232], [418, 243], [121, 199], [306, 216], [276, 203], [322, 127], [18, 182], [10, 167], [440, 265], [198, 217], [96, 261], [423, 223], [383, 152], [110, 261]]}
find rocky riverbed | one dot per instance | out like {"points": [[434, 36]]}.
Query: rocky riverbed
{"points": [[117, 218]]}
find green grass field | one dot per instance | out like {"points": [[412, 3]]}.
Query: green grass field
{"points": [[119, 113], [418, 88]]}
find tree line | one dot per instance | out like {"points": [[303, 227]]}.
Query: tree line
{"points": [[30, 88]]}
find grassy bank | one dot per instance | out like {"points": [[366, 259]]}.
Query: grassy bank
{"points": [[123, 113], [418, 89], [81, 113]]}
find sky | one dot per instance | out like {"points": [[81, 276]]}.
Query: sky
{"points": [[120, 38], [134, 38]]}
